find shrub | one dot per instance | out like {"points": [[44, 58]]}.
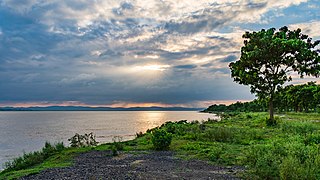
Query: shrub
{"points": [[79, 140], [292, 167], [116, 145], [170, 127], [227, 115], [161, 139], [182, 122], [263, 162], [289, 169], [192, 136], [60, 146], [287, 159], [180, 127], [139, 134], [48, 149], [114, 151], [117, 142], [33, 158], [202, 127]]}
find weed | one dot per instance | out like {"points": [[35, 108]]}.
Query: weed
{"points": [[313, 138], [220, 134], [295, 127]]}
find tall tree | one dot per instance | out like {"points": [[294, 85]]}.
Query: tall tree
{"points": [[269, 56]]}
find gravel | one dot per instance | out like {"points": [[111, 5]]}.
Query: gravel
{"points": [[99, 165]]}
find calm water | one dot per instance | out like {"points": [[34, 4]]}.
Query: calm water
{"points": [[27, 131]]}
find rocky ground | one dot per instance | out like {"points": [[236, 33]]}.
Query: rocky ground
{"points": [[96, 165]]}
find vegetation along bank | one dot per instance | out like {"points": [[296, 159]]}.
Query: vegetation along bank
{"points": [[241, 142]]}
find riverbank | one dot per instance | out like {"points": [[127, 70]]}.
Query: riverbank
{"points": [[136, 165], [27, 131], [289, 150]]}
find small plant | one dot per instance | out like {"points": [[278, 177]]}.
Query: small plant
{"points": [[220, 134], [116, 145], [301, 128], [215, 153], [313, 138], [117, 142], [114, 151], [139, 134], [202, 127], [284, 159], [161, 139], [85, 140]]}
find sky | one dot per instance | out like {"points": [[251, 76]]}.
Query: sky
{"points": [[135, 52]]}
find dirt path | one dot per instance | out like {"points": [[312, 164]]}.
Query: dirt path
{"points": [[96, 165]]}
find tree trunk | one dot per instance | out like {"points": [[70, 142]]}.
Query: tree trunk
{"points": [[271, 109], [271, 120]]}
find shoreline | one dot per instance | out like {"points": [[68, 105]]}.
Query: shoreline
{"points": [[239, 140]]}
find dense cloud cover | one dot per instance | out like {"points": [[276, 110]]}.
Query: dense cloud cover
{"points": [[135, 52]]}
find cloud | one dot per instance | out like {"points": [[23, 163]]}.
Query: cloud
{"points": [[229, 58], [311, 28], [187, 66], [103, 52], [124, 6]]}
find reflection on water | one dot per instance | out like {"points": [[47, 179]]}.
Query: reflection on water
{"points": [[28, 131]]}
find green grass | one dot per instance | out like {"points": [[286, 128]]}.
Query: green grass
{"points": [[289, 150], [61, 159]]}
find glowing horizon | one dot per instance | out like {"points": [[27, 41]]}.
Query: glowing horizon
{"points": [[200, 104]]}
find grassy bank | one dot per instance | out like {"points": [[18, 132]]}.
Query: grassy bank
{"points": [[289, 150]]}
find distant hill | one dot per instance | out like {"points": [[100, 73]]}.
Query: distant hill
{"points": [[85, 108]]}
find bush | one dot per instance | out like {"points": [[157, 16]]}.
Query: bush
{"points": [[79, 140], [171, 127], [289, 169], [139, 134], [161, 139], [287, 159], [116, 145], [227, 115], [263, 162], [33, 158], [202, 127], [177, 128], [292, 168]]}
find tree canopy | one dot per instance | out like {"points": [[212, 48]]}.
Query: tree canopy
{"points": [[298, 98], [268, 58]]}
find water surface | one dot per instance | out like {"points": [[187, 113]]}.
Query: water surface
{"points": [[27, 131]]}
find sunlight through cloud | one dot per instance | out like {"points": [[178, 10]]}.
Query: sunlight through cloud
{"points": [[153, 67]]}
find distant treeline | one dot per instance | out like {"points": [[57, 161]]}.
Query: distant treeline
{"points": [[298, 98]]}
